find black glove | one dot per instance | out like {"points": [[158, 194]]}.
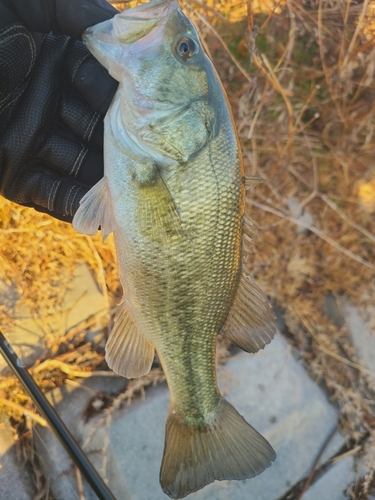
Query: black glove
{"points": [[53, 95]]}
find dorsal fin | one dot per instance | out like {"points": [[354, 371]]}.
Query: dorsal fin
{"points": [[251, 180], [250, 227]]}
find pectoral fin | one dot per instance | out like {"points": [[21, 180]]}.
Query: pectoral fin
{"points": [[157, 213], [251, 322], [128, 352], [95, 211]]}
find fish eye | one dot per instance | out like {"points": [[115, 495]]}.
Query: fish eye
{"points": [[187, 48]]}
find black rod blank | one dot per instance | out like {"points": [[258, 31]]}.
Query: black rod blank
{"points": [[57, 425]]}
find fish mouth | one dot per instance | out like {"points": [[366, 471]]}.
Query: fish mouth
{"points": [[100, 41], [129, 32]]}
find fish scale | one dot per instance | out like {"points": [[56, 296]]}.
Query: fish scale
{"points": [[173, 195]]}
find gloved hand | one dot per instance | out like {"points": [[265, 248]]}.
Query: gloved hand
{"points": [[53, 95]]}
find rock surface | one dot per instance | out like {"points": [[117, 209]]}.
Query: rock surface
{"points": [[15, 480], [270, 389], [28, 338], [273, 392], [333, 483], [300, 214], [70, 403], [361, 334]]}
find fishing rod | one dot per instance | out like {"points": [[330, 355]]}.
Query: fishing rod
{"points": [[55, 422]]}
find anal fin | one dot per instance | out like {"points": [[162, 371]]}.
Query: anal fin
{"points": [[94, 211], [128, 352], [251, 321]]}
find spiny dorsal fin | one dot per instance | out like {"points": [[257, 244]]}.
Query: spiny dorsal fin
{"points": [[251, 321], [250, 227], [250, 181], [224, 447], [95, 211], [128, 352]]}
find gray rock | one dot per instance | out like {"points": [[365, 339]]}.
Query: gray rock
{"points": [[280, 320], [333, 483], [70, 403], [15, 479], [28, 338], [273, 392], [332, 308], [361, 334], [300, 213], [270, 389]]}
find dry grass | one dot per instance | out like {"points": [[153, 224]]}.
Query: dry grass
{"points": [[300, 76]]}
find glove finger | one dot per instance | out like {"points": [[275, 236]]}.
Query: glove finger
{"points": [[36, 109], [50, 193], [74, 17], [89, 77], [82, 120], [69, 157], [16, 44], [68, 17]]}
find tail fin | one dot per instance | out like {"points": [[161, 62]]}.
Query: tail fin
{"points": [[226, 447]]}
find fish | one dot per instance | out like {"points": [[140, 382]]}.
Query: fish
{"points": [[173, 194]]}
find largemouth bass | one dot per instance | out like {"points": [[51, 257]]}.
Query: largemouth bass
{"points": [[173, 194]]}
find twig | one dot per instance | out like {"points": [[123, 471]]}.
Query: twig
{"points": [[355, 36], [276, 84], [81, 492], [21, 409], [353, 451], [234, 59], [316, 463], [251, 31], [342, 44], [287, 54], [250, 19], [269, 16], [211, 9], [80, 386], [80, 328], [347, 219], [333, 205], [65, 368], [257, 113], [358, 367], [271, 79], [316, 231], [305, 104], [322, 57]]}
